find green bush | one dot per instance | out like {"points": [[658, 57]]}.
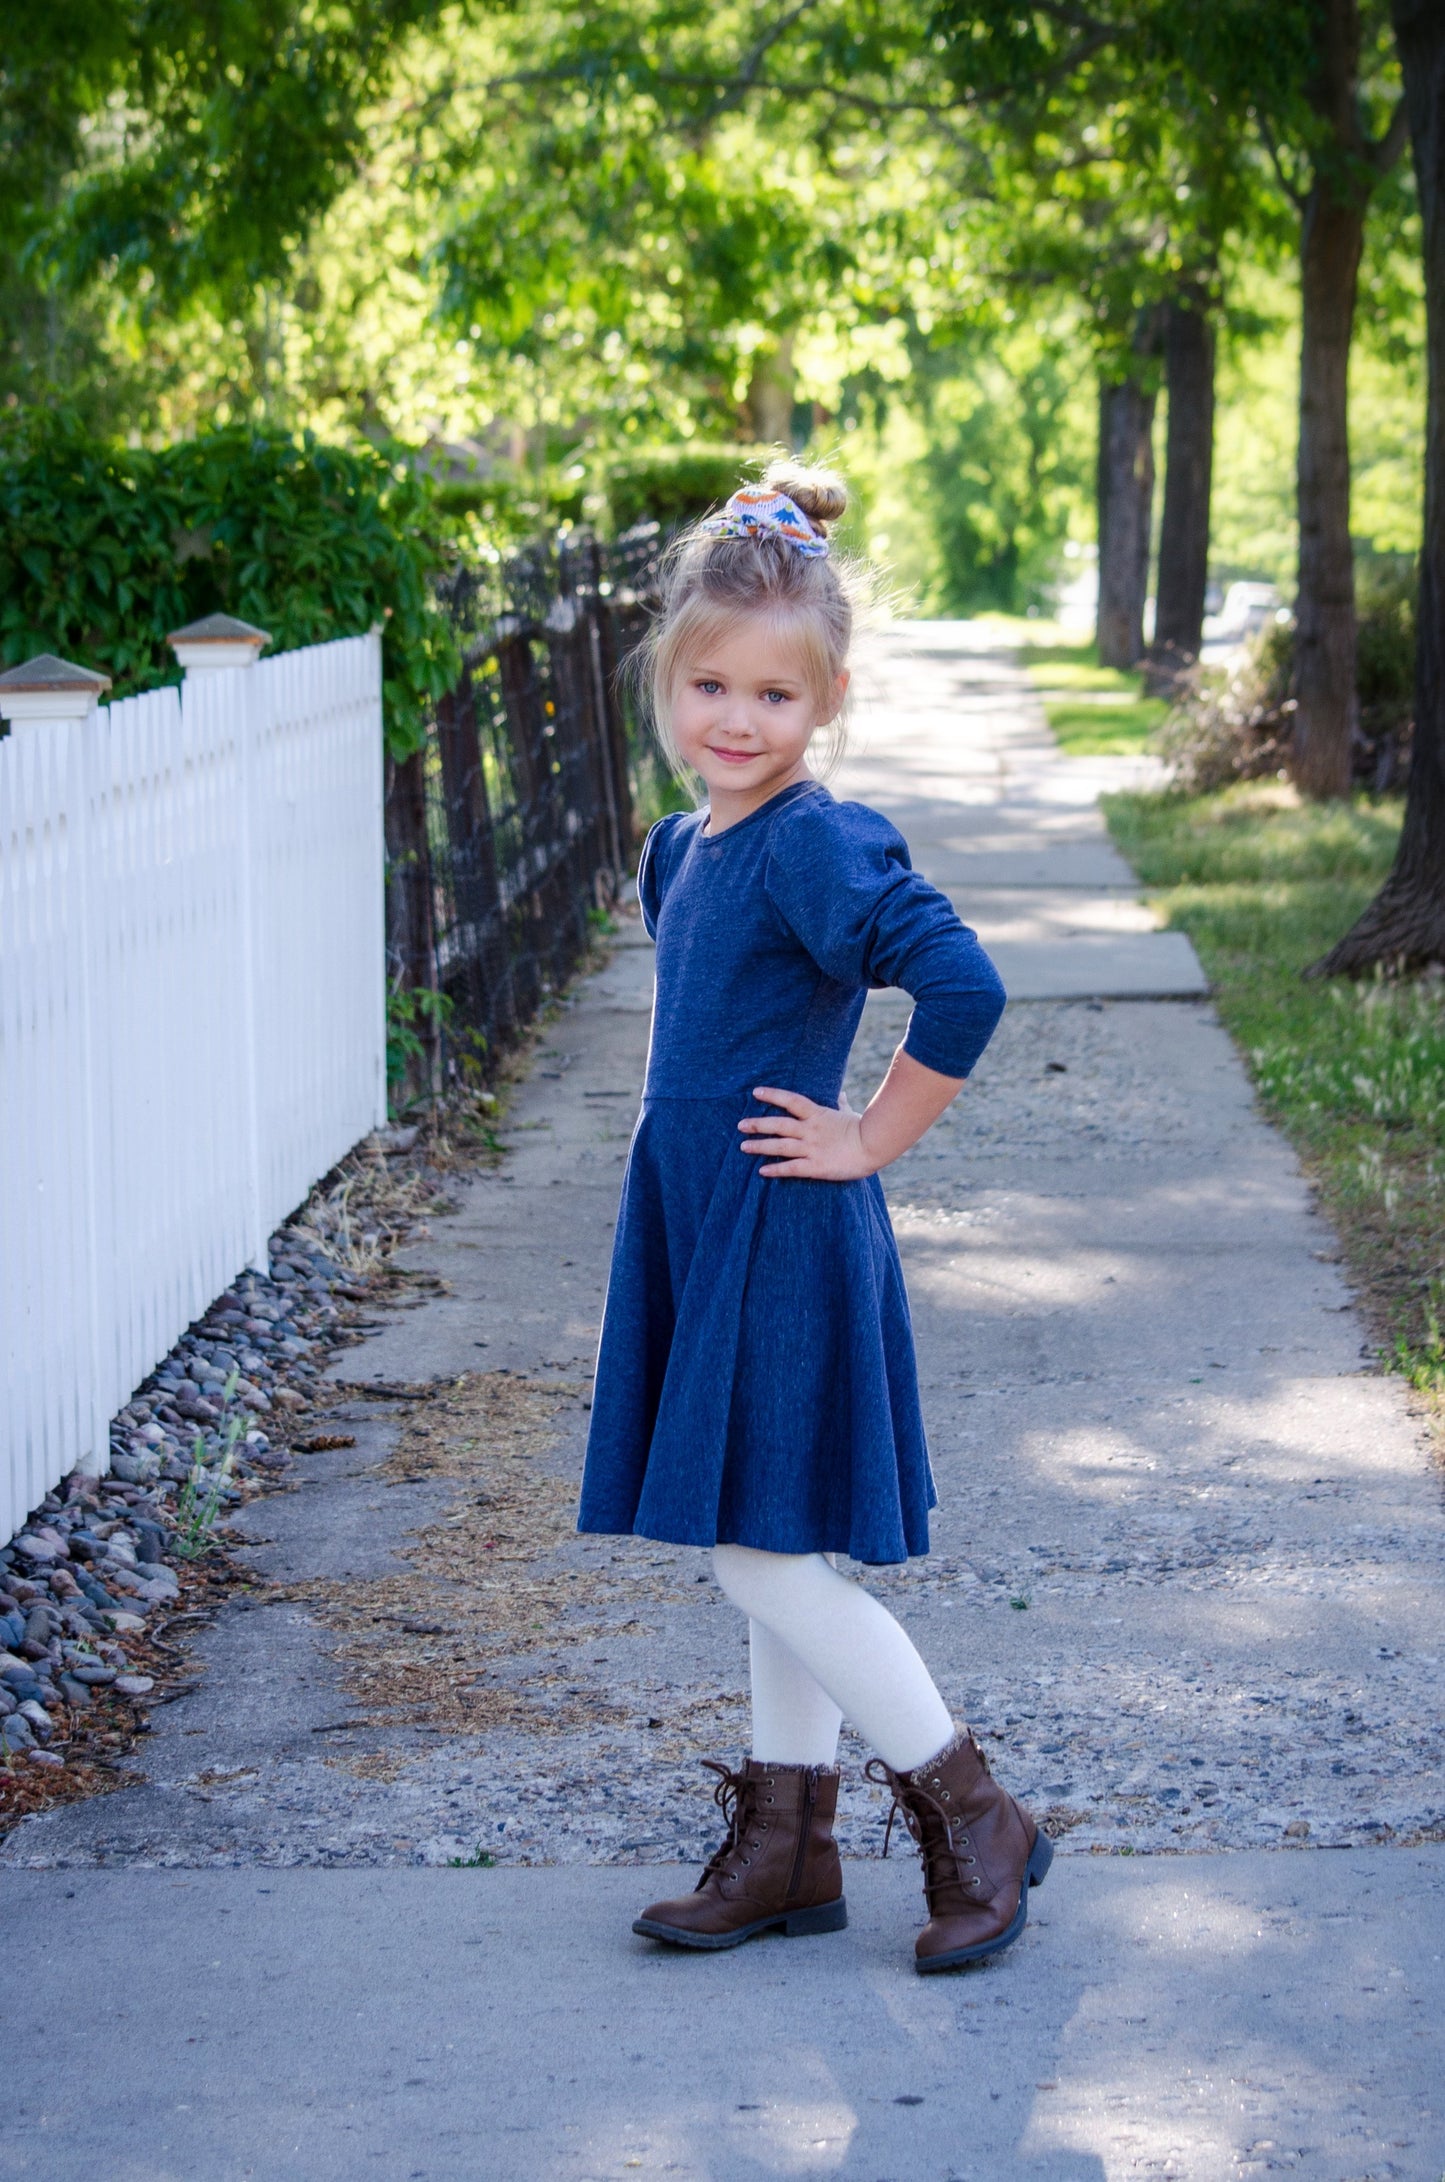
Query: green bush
{"points": [[671, 485], [1387, 592], [1236, 725], [105, 549]]}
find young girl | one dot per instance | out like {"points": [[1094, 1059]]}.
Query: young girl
{"points": [[756, 1389]]}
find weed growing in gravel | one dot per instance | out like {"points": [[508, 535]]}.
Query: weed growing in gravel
{"points": [[1355, 1072], [199, 1501]]}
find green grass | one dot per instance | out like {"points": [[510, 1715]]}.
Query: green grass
{"points": [[1354, 1072], [1094, 711], [1097, 729]]}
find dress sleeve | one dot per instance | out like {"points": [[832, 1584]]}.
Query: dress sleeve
{"points": [[652, 870], [840, 877]]}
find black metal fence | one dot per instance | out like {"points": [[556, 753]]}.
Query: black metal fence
{"points": [[510, 832]]}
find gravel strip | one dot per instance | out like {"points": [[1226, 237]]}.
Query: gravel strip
{"points": [[107, 1573]]}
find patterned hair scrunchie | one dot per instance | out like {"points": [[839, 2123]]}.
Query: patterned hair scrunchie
{"points": [[755, 511]]}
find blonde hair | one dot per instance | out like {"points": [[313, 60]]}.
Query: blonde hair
{"points": [[709, 582]]}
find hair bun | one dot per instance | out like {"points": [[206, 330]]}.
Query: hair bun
{"points": [[821, 494]]}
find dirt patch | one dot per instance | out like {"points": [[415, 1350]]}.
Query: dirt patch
{"points": [[424, 1649]]}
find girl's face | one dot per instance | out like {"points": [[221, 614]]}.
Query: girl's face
{"points": [[744, 715]]}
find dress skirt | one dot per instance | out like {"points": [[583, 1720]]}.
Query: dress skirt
{"points": [[756, 1382]]}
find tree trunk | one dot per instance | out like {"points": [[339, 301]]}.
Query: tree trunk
{"points": [[1332, 233], [1327, 710], [1404, 926], [771, 389], [1126, 507], [1188, 468]]}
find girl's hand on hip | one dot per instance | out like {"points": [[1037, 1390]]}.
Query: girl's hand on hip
{"points": [[807, 1142], [832, 1143]]}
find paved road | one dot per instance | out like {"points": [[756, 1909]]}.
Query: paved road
{"points": [[1188, 1582]]}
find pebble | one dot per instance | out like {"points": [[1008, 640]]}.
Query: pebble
{"points": [[87, 1572]]}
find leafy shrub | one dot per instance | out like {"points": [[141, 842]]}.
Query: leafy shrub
{"points": [[671, 485], [105, 549], [1232, 724], [1235, 724], [1385, 666]]}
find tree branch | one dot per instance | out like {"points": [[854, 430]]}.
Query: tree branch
{"points": [[749, 69], [801, 88], [1297, 196], [676, 80], [1386, 148], [1076, 18]]}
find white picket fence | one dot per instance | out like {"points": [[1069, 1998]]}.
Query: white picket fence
{"points": [[192, 1017]]}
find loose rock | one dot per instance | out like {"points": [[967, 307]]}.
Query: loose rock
{"points": [[90, 1572]]}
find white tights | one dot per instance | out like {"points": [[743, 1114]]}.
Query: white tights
{"points": [[821, 1646]]}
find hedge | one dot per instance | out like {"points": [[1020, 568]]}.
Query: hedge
{"points": [[104, 549], [676, 484]]}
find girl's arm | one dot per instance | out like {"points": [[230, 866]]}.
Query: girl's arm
{"points": [[833, 1143]]}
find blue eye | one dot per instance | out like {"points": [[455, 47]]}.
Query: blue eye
{"points": [[777, 696]]}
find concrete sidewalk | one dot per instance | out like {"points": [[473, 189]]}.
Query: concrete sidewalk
{"points": [[1203, 2018], [1188, 1582], [1005, 823]]}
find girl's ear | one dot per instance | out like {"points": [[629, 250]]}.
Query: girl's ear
{"points": [[840, 691]]}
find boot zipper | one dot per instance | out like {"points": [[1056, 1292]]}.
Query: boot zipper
{"points": [[805, 1828]]}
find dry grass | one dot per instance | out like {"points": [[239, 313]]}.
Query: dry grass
{"points": [[422, 1649], [366, 1207], [27, 1788]]}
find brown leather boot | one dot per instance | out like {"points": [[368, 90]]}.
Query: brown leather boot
{"points": [[778, 1866], [981, 1854]]}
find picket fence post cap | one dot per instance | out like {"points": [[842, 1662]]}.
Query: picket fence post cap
{"points": [[218, 640], [47, 688]]}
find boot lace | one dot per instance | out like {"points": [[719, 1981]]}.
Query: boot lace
{"points": [[936, 1844], [736, 1797]]}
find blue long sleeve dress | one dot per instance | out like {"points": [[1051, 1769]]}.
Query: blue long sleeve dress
{"points": [[756, 1382]]}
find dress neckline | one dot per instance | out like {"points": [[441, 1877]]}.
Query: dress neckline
{"points": [[774, 803]]}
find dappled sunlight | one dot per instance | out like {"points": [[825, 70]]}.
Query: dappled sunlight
{"points": [[1280, 1424], [1200, 2055], [791, 2134], [771, 2102], [1022, 913], [1094, 1463], [1007, 1280]]}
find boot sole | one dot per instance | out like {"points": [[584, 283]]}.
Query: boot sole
{"points": [[1035, 1872], [794, 1924]]}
